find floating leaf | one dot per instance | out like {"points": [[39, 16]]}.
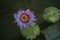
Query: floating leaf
{"points": [[53, 32], [51, 14], [31, 32]]}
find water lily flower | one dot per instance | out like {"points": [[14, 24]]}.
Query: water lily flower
{"points": [[24, 18]]}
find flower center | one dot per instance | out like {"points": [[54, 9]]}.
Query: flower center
{"points": [[24, 18]]}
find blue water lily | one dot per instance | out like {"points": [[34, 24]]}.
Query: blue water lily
{"points": [[24, 18]]}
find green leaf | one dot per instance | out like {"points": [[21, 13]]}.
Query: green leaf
{"points": [[51, 14], [31, 32], [53, 32]]}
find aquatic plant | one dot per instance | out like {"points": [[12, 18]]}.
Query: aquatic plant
{"points": [[26, 20], [51, 14], [32, 32]]}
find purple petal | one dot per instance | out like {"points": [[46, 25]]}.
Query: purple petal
{"points": [[27, 11]]}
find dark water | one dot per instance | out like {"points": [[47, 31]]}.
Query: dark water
{"points": [[9, 30]]}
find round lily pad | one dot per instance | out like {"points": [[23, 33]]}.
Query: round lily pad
{"points": [[31, 32], [51, 14]]}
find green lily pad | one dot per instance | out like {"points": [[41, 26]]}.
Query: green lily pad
{"points": [[51, 14], [31, 32]]}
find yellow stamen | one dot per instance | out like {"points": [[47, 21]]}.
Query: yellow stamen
{"points": [[24, 18]]}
